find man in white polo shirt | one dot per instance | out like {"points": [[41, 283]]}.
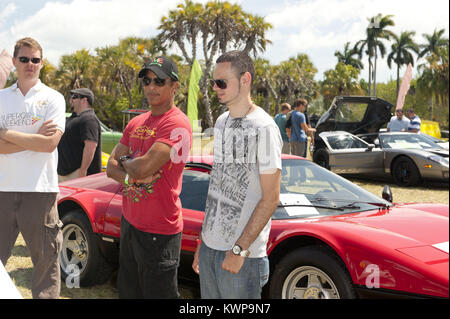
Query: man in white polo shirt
{"points": [[32, 121]]}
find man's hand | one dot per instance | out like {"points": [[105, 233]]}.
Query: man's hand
{"points": [[196, 260], [150, 179], [47, 128], [232, 263]]}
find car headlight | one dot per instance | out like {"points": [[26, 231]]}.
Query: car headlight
{"points": [[439, 159]]}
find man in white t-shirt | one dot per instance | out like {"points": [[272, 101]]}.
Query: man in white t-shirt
{"points": [[243, 191], [32, 121], [398, 123]]}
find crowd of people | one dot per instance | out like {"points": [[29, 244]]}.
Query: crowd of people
{"points": [[39, 147]]}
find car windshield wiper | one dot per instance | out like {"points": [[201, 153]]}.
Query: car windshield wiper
{"points": [[315, 206], [351, 204]]}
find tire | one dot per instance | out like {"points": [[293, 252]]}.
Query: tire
{"points": [[405, 172], [311, 272], [81, 253], [322, 158]]}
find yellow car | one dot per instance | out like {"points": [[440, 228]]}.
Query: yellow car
{"points": [[105, 158]]}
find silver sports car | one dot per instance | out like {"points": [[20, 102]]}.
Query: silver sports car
{"points": [[408, 157]]}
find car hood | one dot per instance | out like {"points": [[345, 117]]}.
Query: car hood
{"points": [[402, 226], [377, 114]]}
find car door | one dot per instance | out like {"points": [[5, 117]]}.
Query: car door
{"points": [[351, 155]]}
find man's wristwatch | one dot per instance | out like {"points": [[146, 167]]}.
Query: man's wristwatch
{"points": [[238, 251], [123, 159]]}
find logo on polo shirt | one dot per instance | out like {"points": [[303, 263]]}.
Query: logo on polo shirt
{"points": [[35, 119]]}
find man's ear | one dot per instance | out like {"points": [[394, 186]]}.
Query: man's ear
{"points": [[246, 78]]}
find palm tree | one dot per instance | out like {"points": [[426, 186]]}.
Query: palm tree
{"points": [[434, 80], [375, 32], [434, 42], [432, 51], [347, 58], [218, 25], [342, 80], [401, 52]]}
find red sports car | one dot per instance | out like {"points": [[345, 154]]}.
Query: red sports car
{"points": [[329, 237]]}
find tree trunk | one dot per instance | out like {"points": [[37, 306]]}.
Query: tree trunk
{"points": [[375, 75], [370, 76]]}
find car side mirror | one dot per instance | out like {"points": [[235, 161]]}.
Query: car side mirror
{"points": [[370, 147], [387, 194]]}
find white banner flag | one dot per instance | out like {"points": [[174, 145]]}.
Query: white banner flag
{"points": [[404, 87]]}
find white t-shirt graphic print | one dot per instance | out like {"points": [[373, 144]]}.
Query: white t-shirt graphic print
{"points": [[244, 148]]}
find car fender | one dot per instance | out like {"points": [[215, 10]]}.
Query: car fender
{"points": [[93, 203], [369, 262]]}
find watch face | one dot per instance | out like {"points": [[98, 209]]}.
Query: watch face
{"points": [[237, 249]]}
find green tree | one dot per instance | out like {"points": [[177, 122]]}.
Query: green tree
{"points": [[401, 52], [347, 56], [434, 83], [375, 33], [218, 25], [342, 80], [433, 43]]}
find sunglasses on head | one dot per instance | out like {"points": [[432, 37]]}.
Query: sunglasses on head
{"points": [[24, 59], [158, 82], [77, 96]]}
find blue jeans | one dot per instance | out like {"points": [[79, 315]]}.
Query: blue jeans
{"points": [[216, 283]]}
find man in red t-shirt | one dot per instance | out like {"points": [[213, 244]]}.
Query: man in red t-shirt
{"points": [[149, 161]]}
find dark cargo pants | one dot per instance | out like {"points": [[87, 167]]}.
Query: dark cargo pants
{"points": [[35, 215]]}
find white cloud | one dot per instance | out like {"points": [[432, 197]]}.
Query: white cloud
{"points": [[7, 12], [64, 28], [315, 27], [320, 27]]}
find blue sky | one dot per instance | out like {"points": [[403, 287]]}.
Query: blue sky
{"points": [[315, 27]]}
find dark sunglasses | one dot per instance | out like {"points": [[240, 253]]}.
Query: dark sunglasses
{"points": [[221, 84], [24, 59], [158, 82], [77, 96]]}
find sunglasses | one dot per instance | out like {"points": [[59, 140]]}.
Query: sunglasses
{"points": [[157, 81], [221, 84], [77, 96], [24, 59]]}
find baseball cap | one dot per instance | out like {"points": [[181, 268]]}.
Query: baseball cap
{"points": [[84, 92], [162, 66]]}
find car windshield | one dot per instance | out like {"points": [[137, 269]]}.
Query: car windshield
{"points": [[407, 141], [345, 141], [307, 190]]}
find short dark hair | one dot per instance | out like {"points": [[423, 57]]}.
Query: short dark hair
{"points": [[240, 62], [410, 110], [299, 102]]}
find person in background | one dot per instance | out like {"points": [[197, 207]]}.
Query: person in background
{"points": [[398, 122], [299, 129], [80, 149], [32, 121], [280, 120], [414, 124]]}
